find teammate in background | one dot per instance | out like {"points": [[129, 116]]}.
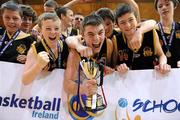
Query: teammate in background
{"points": [[169, 31], [28, 18]]}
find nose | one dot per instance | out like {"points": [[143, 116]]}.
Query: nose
{"points": [[53, 31], [128, 25], [11, 20], [96, 38], [29, 21], [163, 7]]}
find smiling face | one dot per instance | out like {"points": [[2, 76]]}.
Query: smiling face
{"points": [[50, 30], [12, 20], [94, 37], [127, 23], [165, 8], [27, 23]]}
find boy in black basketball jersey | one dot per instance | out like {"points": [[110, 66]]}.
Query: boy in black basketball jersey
{"points": [[143, 58]]}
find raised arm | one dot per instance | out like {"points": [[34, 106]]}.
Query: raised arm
{"points": [[145, 26], [74, 42], [34, 65], [73, 2]]}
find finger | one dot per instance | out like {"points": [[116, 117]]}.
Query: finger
{"points": [[92, 82], [156, 67], [178, 64]]}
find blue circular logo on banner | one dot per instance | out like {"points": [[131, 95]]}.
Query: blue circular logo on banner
{"points": [[123, 102]]}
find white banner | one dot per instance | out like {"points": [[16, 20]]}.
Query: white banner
{"points": [[137, 95]]}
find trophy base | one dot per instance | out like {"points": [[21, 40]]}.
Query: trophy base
{"points": [[99, 108], [99, 104]]}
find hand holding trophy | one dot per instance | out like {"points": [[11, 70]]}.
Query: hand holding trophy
{"points": [[93, 72]]}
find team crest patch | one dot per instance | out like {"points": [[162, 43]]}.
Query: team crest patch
{"points": [[21, 49], [123, 55], [147, 52]]}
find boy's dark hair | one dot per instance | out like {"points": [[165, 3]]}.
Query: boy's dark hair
{"points": [[105, 13], [29, 12], [51, 3], [10, 5], [122, 10], [62, 11], [175, 2], [47, 16], [93, 19]]}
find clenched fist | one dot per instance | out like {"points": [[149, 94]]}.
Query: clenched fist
{"points": [[43, 59]]}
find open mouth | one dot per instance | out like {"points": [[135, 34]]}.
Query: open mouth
{"points": [[96, 45], [52, 38], [12, 27]]}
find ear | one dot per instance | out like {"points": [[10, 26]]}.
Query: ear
{"points": [[62, 16]]}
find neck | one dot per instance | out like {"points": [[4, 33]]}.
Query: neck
{"points": [[51, 44], [167, 22], [11, 33], [63, 27]]}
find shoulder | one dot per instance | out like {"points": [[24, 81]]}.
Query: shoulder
{"points": [[156, 27], [24, 36], [109, 42]]}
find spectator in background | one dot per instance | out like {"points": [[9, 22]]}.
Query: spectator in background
{"points": [[14, 43], [169, 31], [77, 21]]}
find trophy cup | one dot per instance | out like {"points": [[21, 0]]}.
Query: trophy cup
{"points": [[92, 70]]}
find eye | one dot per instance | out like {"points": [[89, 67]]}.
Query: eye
{"points": [[159, 6], [131, 20], [90, 34], [15, 19], [7, 18], [122, 23], [57, 28], [101, 32], [167, 4], [48, 29]]}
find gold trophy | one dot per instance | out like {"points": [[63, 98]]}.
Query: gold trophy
{"points": [[92, 71]]}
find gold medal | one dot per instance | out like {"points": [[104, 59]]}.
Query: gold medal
{"points": [[168, 54]]}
